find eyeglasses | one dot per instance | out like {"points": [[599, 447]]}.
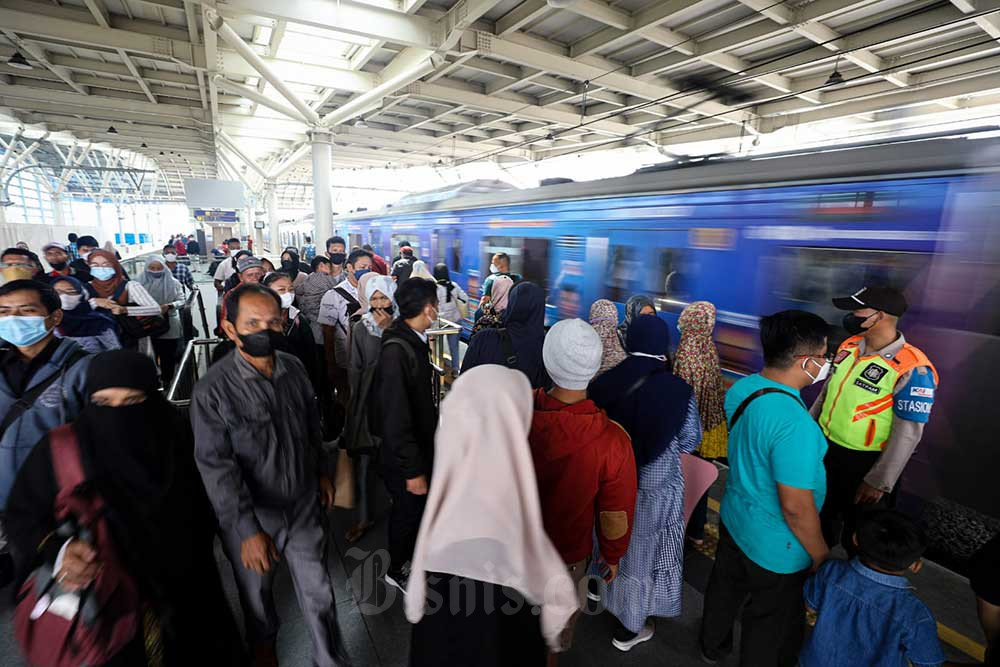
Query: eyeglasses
{"points": [[828, 356]]}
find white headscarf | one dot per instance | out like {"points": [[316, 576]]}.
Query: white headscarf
{"points": [[420, 271], [164, 288], [370, 285], [483, 518]]}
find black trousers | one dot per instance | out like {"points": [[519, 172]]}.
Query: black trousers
{"points": [[773, 620], [405, 515], [166, 351], [845, 470]]}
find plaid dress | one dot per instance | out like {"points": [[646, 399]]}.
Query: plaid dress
{"points": [[650, 576]]}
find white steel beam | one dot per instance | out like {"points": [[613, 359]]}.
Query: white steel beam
{"points": [[522, 15], [293, 72], [252, 94], [232, 38], [347, 16], [38, 53], [231, 145], [67, 30], [638, 22], [407, 67]]}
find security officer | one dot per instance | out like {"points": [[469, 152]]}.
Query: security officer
{"points": [[872, 409]]}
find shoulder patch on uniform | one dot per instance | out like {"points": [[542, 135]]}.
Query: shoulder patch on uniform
{"points": [[925, 392], [873, 372], [843, 354]]}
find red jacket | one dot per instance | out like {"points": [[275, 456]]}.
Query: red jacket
{"points": [[586, 478]]}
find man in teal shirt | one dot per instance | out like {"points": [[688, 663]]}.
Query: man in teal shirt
{"points": [[769, 534]]}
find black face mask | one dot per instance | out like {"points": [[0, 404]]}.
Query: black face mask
{"points": [[388, 310], [58, 266], [852, 323], [262, 343], [288, 265], [338, 257]]}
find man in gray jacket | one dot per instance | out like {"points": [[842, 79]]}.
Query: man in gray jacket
{"points": [[42, 380], [258, 447]]}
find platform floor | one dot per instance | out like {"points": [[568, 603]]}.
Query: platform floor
{"points": [[376, 633]]}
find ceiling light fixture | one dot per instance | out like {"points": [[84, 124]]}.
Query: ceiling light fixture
{"points": [[112, 130], [144, 145], [836, 77], [18, 61]]}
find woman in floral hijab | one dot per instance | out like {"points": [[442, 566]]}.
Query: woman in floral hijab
{"points": [[697, 362], [604, 319]]}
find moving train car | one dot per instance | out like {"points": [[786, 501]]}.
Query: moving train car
{"points": [[758, 235]]}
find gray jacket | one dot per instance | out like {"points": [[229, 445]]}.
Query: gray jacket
{"points": [[258, 443], [60, 403], [365, 351]]}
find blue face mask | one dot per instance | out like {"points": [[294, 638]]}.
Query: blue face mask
{"points": [[154, 274], [361, 272], [23, 330], [102, 272]]}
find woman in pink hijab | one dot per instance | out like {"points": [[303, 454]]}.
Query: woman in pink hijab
{"points": [[483, 561], [490, 314]]}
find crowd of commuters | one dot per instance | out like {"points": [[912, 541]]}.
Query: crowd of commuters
{"points": [[550, 475]]}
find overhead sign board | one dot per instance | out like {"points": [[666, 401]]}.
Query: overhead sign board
{"points": [[215, 215]]}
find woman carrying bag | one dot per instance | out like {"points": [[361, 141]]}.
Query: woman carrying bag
{"points": [[139, 315], [165, 289], [376, 292], [453, 305]]}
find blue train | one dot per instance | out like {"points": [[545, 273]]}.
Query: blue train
{"points": [[758, 235]]}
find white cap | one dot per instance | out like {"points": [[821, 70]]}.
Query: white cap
{"points": [[572, 354]]}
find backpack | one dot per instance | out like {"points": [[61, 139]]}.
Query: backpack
{"points": [[89, 627]]}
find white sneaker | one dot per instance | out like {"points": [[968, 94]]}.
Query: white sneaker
{"points": [[645, 634]]}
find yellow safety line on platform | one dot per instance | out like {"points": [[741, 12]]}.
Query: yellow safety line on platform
{"points": [[951, 637]]}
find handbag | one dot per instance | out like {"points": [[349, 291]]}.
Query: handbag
{"points": [[343, 482], [59, 628], [135, 327]]}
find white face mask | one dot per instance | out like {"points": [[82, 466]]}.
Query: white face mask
{"points": [[824, 370], [84, 255], [494, 268], [70, 301], [170, 258], [433, 320], [286, 300]]}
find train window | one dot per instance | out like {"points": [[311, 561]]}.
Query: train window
{"points": [[809, 278], [355, 241], [436, 245], [669, 281], [456, 255], [623, 276], [410, 238], [375, 238], [528, 257]]}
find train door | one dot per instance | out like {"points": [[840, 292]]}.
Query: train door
{"points": [[568, 279], [529, 257], [652, 262], [447, 249]]}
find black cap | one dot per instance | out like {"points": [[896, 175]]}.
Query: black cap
{"points": [[886, 299]]}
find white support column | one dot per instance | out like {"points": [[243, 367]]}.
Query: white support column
{"points": [[271, 195], [322, 144]]}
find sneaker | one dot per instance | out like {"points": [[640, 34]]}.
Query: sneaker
{"points": [[593, 590], [625, 640], [704, 657], [398, 579]]}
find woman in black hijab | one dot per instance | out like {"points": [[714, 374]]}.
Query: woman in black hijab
{"points": [[137, 452], [518, 344]]}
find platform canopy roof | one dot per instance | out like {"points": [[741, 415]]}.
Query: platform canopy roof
{"points": [[237, 88]]}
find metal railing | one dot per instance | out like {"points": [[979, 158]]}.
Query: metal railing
{"points": [[437, 337], [194, 364]]}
